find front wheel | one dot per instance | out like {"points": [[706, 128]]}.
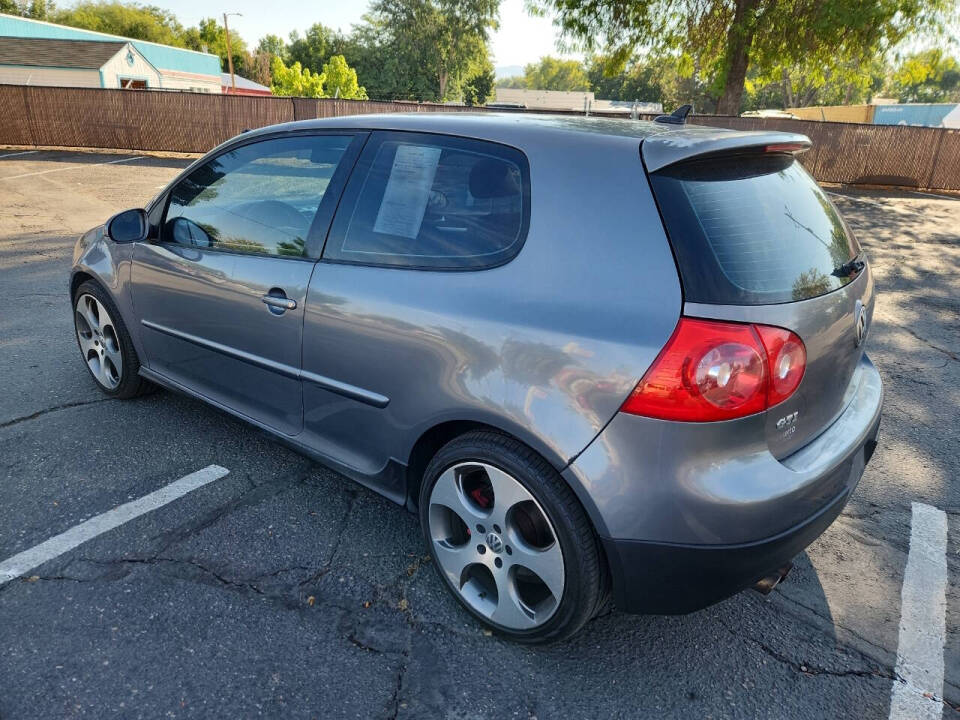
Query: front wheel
{"points": [[510, 539], [105, 344]]}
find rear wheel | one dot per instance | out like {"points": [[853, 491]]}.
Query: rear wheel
{"points": [[105, 344], [510, 539]]}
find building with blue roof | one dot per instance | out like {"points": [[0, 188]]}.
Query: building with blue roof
{"points": [[33, 52]]}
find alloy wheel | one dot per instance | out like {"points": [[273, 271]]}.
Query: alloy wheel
{"points": [[99, 341], [496, 546]]}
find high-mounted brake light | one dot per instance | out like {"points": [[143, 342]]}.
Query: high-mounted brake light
{"points": [[712, 370], [785, 148]]}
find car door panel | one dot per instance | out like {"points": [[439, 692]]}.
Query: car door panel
{"points": [[412, 337], [204, 325], [220, 292]]}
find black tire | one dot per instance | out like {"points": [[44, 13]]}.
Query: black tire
{"points": [[585, 589], [131, 384]]}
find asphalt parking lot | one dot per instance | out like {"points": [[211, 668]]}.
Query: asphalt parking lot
{"points": [[282, 589]]}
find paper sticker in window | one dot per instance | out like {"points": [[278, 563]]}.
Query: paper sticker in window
{"points": [[408, 190]]}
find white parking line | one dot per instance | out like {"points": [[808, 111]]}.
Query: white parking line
{"points": [[14, 154], [26, 561], [922, 619], [74, 167]]}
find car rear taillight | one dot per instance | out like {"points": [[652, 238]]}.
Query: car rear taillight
{"points": [[712, 370], [786, 360]]}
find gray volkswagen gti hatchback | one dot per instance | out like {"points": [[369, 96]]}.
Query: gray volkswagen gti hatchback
{"points": [[601, 359]]}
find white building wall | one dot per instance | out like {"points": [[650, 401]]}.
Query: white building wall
{"points": [[545, 99], [118, 67], [174, 80], [56, 77]]}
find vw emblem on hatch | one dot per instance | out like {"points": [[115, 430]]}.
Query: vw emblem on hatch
{"points": [[860, 322], [494, 542]]}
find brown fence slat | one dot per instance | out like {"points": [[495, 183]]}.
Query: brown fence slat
{"points": [[15, 117], [196, 122]]}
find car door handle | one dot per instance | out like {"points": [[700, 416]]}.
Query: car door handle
{"points": [[281, 303]]}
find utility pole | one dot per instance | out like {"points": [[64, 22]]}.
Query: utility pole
{"points": [[226, 32]]}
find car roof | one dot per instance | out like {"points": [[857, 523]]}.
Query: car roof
{"points": [[484, 123], [663, 144]]}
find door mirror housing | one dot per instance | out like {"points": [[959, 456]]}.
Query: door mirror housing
{"points": [[128, 226]]}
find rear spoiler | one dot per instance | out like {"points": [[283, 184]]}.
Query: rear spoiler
{"points": [[668, 148]]}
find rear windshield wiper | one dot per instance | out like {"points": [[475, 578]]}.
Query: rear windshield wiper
{"points": [[853, 267]]}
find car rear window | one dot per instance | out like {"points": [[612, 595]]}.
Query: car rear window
{"points": [[753, 230], [430, 201]]}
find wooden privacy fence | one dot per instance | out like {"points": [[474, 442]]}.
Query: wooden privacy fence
{"points": [[918, 157], [149, 120]]}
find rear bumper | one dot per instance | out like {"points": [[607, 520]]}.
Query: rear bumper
{"points": [[671, 579], [690, 514]]}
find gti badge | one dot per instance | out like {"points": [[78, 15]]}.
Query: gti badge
{"points": [[788, 420], [859, 322]]}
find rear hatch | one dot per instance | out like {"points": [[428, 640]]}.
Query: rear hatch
{"points": [[757, 240]]}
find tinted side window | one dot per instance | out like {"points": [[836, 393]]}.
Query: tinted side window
{"points": [[259, 198], [429, 201]]}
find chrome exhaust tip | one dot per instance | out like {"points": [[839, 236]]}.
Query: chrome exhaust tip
{"points": [[766, 584]]}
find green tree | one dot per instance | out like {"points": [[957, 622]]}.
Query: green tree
{"points": [[387, 64], [670, 80], [272, 45], [428, 45], [209, 36], [315, 47], [35, 9], [261, 59], [551, 73], [259, 67], [141, 22], [514, 81], [341, 80], [928, 76], [726, 38], [478, 84], [843, 81], [296, 80]]}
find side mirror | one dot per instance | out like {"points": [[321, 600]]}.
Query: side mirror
{"points": [[128, 226]]}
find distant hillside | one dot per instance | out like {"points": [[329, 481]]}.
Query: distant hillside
{"points": [[505, 71]]}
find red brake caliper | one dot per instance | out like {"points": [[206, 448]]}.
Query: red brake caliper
{"points": [[482, 498]]}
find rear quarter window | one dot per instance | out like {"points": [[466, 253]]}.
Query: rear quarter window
{"points": [[434, 202], [753, 230]]}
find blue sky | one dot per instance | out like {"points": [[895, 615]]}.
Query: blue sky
{"points": [[520, 40]]}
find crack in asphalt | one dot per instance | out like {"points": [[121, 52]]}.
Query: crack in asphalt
{"points": [[354, 493], [394, 704], [855, 514], [832, 621], [402, 583], [55, 408], [953, 704], [809, 669], [255, 495], [153, 560], [949, 353]]}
